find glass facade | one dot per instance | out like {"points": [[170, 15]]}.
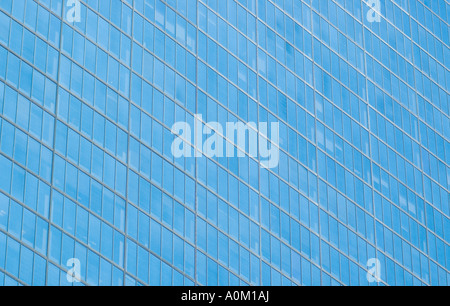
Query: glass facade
{"points": [[90, 90]]}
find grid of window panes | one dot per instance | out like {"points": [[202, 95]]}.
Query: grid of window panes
{"points": [[86, 111]]}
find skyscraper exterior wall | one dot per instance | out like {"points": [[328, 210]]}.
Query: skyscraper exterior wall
{"points": [[92, 193]]}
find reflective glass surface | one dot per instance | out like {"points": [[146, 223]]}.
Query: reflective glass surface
{"points": [[90, 90]]}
